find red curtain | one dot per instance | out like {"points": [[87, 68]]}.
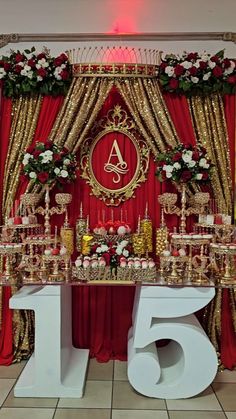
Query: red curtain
{"points": [[102, 314], [6, 354], [48, 113]]}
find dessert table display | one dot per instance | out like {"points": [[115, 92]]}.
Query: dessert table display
{"points": [[174, 278]]}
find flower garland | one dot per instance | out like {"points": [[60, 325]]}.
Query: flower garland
{"points": [[46, 163], [29, 72], [194, 73], [184, 164]]}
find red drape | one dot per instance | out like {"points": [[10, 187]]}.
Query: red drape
{"points": [[48, 113], [102, 315], [6, 346]]}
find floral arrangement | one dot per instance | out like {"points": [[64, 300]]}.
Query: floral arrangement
{"points": [[184, 163], [194, 73], [29, 72], [111, 252], [46, 163]]}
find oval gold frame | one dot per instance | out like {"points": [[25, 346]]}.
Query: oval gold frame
{"points": [[115, 196]]}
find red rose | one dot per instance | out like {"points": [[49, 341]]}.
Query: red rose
{"points": [[48, 144], [202, 65], [31, 63], [63, 57], [179, 69], [41, 72], [18, 69], [56, 157], [215, 59], [174, 84], [193, 71], [19, 58], [192, 56], [217, 71], [163, 175], [195, 156], [42, 177], [57, 62], [177, 156], [64, 74], [186, 175], [226, 63], [163, 66], [36, 153], [205, 176], [6, 66], [231, 79], [41, 55]]}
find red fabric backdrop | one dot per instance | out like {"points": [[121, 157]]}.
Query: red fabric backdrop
{"points": [[102, 315]]}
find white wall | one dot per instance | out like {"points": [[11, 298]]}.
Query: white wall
{"points": [[101, 16]]}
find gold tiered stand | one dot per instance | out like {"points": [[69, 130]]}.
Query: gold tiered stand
{"points": [[9, 251], [225, 263]]}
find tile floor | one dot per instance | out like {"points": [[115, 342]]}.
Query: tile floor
{"points": [[108, 395]]}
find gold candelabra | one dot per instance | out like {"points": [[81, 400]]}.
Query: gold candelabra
{"points": [[168, 205], [62, 200]]}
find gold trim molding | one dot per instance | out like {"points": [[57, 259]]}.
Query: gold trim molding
{"points": [[116, 121], [6, 39]]}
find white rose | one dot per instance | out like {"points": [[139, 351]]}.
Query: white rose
{"points": [[47, 152], [168, 168], [169, 70], [187, 156], [32, 175], [30, 75], [2, 73], [38, 66], [187, 64], [194, 79], [64, 173], [202, 162], [66, 162], [211, 64], [98, 250], [207, 76], [39, 78], [27, 68], [177, 165], [205, 56], [199, 176], [56, 171], [125, 253], [206, 166], [119, 250], [168, 175], [191, 163], [104, 247], [123, 243]]}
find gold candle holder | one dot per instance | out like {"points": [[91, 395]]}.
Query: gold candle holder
{"points": [[67, 239], [146, 229], [81, 228]]}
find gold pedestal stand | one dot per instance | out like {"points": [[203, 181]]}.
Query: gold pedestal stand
{"points": [[9, 251]]}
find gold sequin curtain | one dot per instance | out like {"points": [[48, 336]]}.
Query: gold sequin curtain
{"points": [[211, 131], [25, 112], [82, 104], [148, 109]]}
